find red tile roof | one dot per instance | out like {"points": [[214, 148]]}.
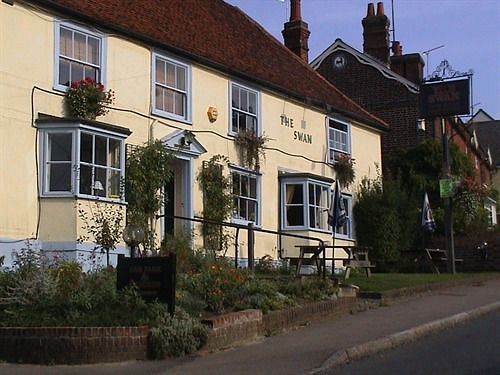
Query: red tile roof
{"points": [[219, 35]]}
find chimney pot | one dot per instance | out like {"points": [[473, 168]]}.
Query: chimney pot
{"points": [[371, 10], [295, 10], [397, 48], [380, 8]]}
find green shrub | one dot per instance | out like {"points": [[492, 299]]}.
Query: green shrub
{"points": [[262, 294], [36, 293], [178, 335], [219, 284], [310, 289]]}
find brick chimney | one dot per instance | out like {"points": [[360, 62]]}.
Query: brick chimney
{"points": [[296, 32], [410, 66], [376, 33]]}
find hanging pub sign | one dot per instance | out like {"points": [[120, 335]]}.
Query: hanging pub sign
{"points": [[445, 98], [154, 277]]}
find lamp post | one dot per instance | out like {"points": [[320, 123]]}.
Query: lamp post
{"points": [[133, 235]]}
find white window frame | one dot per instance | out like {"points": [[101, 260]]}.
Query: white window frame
{"points": [[349, 222], [257, 200], [332, 149], [88, 32], [257, 114], [46, 162], [76, 130], [304, 182], [186, 118]]}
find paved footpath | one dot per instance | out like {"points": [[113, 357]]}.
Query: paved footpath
{"points": [[318, 346]]}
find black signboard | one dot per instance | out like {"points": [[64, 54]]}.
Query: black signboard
{"points": [[446, 98], [153, 276]]}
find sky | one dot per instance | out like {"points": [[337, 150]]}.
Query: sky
{"points": [[468, 29]]}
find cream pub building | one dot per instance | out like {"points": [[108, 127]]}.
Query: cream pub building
{"points": [[181, 70]]}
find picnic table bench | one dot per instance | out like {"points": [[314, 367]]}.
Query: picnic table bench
{"points": [[357, 257], [438, 257]]}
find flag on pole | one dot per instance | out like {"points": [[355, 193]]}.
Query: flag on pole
{"points": [[337, 213], [427, 221]]}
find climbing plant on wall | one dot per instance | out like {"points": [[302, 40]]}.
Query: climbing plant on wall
{"points": [[217, 203]]}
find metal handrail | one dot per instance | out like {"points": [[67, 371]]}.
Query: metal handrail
{"points": [[250, 228]]}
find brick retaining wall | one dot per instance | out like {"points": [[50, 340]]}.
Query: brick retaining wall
{"points": [[73, 345], [229, 329], [78, 345], [233, 328]]}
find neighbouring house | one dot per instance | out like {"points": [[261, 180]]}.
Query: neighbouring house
{"points": [[187, 72], [487, 131], [388, 85]]}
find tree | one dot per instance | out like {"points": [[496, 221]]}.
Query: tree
{"points": [[103, 224], [149, 168], [420, 167], [386, 217]]}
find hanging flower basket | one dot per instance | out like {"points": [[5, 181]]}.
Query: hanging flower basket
{"points": [[87, 99], [344, 169], [251, 148]]}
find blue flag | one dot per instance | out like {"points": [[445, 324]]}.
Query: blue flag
{"points": [[427, 221], [337, 215]]}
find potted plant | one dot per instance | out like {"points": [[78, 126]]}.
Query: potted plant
{"points": [[251, 148], [344, 169], [87, 99]]}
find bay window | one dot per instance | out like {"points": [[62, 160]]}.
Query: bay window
{"points": [[346, 230], [79, 160], [305, 202]]}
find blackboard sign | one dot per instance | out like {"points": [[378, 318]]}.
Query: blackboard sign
{"points": [[153, 276], [445, 98]]}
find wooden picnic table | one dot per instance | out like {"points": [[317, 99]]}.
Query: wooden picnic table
{"points": [[357, 257], [436, 257]]}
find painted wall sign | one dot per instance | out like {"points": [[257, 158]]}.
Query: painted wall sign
{"points": [[286, 121], [297, 135], [153, 276], [303, 137], [445, 98]]}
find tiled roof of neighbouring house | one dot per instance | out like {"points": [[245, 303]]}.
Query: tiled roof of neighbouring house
{"points": [[488, 133], [218, 35]]}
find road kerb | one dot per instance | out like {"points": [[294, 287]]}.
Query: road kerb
{"points": [[344, 356]]}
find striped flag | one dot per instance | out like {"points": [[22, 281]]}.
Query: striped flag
{"points": [[337, 214], [427, 221]]}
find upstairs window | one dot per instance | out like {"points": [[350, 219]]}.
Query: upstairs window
{"points": [[171, 94], [79, 55], [339, 138], [244, 109], [246, 196]]}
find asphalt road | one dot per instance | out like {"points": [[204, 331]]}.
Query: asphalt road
{"points": [[471, 348]]}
